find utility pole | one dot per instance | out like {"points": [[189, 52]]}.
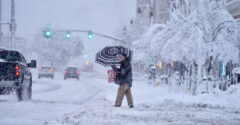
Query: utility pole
{"points": [[12, 24], [1, 21]]}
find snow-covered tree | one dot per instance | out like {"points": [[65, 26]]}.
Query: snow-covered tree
{"points": [[199, 33], [206, 31], [130, 33]]}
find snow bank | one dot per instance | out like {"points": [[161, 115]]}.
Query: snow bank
{"points": [[155, 105]]}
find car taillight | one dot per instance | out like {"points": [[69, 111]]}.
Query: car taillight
{"points": [[77, 73], [40, 69], [65, 71], [51, 70], [17, 70], [17, 73]]}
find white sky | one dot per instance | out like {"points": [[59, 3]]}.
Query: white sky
{"points": [[103, 16]]}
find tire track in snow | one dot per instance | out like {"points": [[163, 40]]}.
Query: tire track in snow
{"points": [[83, 99], [50, 88]]}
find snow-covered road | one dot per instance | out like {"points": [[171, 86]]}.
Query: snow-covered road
{"points": [[51, 98], [90, 101]]}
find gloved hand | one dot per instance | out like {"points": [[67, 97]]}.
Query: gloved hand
{"points": [[114, 67]]}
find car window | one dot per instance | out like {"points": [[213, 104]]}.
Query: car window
{"points": [[10, 56], [46, 68], [3, 55], [23, 60], [71, 69]]}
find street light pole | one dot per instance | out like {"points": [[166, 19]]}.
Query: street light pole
{"points": [[12, 24], [0, 21]]}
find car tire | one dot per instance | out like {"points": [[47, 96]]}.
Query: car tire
{"points": [[24, 93], [2, 91], [19, 93], [29, 90], [29, 93], [39, 77]]}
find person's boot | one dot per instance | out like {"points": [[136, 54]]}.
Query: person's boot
{"points": [[117, 105], [131, 106]]}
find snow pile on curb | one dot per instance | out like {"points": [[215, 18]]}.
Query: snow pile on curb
{"points": [[101, 112], [156, 105]]}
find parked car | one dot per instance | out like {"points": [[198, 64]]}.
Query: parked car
{"points": [[71, 72], [46, 71], [15, 73]]}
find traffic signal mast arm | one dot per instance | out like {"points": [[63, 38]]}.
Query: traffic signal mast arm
{"points": [[109, 37], [88, 31], [4, 23]]}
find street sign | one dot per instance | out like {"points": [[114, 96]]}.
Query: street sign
{"points": [[223, 69]]}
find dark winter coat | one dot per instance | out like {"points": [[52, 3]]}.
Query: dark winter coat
{"points": [[124, 74]]}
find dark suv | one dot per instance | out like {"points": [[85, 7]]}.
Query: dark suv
{"points": [[71, 72], [15, 73]]}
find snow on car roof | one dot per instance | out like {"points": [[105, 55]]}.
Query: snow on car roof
{"points": [[1, 60]]}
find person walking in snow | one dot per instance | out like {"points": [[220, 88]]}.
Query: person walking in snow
{"points": [[124, 80], [152, 72]]}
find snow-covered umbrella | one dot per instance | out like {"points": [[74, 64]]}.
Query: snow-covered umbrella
{"points": [[109, 55]]}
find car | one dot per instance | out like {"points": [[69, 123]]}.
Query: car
{"points": [[15, 73], [71, 72], [236, 75], [46, 71]]}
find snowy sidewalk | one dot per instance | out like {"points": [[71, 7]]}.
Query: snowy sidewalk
{"points": [[101, 112], [154, 106]]}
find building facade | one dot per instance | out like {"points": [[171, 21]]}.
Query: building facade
{"points": [[233, 7], [144, 13], [161, 11], [152, 11]]}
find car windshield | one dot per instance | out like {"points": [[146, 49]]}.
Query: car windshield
{"points": [[9, 56], [46, 68], [71, 69]]}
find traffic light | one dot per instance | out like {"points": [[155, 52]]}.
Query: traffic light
{"points": [[172, 64], [85, 55], [86, 63], [159, 65], [90, 35], [68, 35], [47, 33]]}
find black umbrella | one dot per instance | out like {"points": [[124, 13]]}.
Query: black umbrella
{"points": [[109, 55]]}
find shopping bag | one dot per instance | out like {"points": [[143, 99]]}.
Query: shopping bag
{"points": [[111, 75]]}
